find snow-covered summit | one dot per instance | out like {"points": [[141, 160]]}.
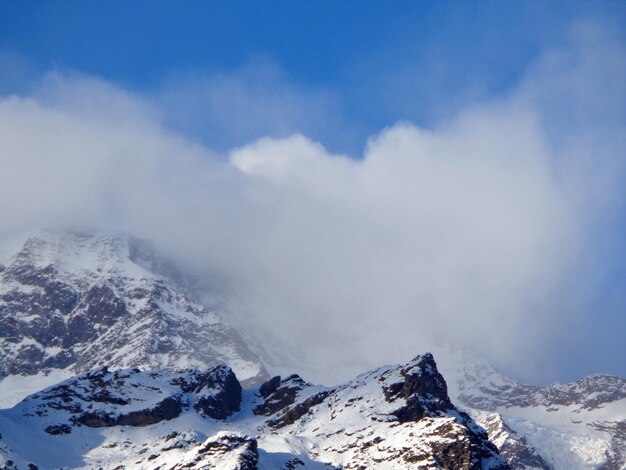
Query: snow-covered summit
{"points": [[395, 417], [90, 253], [74, 300]]}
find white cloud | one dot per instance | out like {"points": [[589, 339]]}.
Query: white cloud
{"points": [[472, 231], [455, 232]]}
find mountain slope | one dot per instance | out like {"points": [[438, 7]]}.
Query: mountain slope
{"points": [[71, 301], [394, 417], [74, 301], [577, 425]]}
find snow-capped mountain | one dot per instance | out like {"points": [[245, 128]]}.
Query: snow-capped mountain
{"points": [[577, 425], [392, 417], [74, 300]]}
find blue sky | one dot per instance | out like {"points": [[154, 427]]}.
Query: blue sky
{"points": [[382, 62], [218, 75]]}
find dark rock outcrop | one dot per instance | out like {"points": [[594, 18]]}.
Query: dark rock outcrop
{"points": [[410, 395], [77, 300], [167, 409], [240, 450], [57, 429], [423, 389], [392, 417], [218, 393], [294, 413], [101, 398], [279, 394]]}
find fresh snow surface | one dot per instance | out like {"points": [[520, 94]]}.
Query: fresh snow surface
{"points": [[74, 300], [352, 424], [15, 388], [572, 436], [579, 425]]}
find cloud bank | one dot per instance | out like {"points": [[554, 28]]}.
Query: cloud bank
{"points": [[482, 230]]}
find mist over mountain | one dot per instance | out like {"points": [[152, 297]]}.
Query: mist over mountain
{"points": [[219, 221], [491, 229], [119, 321]]}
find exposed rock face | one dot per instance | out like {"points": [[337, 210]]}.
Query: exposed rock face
{"points": [[141, 419], [168, 408], [423, 389], [219, 394], [225, 450], [575, 425], [394, 416], [513, 447], [589, 393], [79, 300], [278, 394], [616, 459], [102, 398], [74, 301]]}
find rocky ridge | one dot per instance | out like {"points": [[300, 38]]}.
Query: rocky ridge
{"points": [[577, 425], [403, 402], [393, 417], [73, 301], [513, 447]]}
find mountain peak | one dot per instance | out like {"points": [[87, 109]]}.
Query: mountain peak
{"points": [[72, 300], [144, 416], [88, 250]]}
